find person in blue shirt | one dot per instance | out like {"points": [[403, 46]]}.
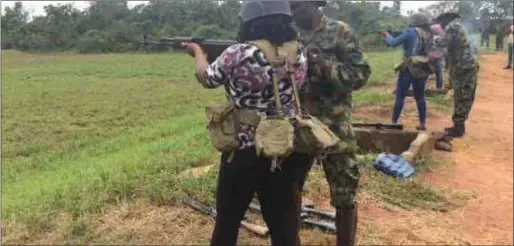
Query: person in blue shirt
{"points": [[413, 41]]}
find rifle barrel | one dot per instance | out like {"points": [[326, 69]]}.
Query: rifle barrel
{"points": [[329, 227], [326, 214]]}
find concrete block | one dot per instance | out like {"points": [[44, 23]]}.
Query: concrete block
{"points": [[395, 141]]}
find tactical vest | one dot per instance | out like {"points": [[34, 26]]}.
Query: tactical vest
{"points": [[273, 135], [419, 64]]}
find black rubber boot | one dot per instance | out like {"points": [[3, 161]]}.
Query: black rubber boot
{"points": [[457, 131], [346, 224]]}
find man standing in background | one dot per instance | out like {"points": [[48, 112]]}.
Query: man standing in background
{"points": [[510, 47], [463, 68], [500, 35], [336, 68]]}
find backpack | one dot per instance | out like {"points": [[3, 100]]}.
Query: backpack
{"points": [[422, 64], [278, 137]]}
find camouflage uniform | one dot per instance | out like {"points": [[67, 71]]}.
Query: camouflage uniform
{"points": [[463, 69], [329, 98]]}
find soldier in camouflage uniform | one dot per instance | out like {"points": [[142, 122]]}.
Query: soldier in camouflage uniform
{"points": [[336, 68], [463, 69]]}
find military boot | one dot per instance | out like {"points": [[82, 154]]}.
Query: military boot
{"points": [[346, 224], [456, 131]]}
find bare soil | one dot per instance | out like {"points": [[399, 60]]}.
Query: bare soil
{"points": [[483, 165]]}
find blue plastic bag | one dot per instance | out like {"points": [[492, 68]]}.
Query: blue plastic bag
{"points": [[394, 165]]}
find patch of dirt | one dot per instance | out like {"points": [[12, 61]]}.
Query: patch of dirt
{"points": [[483, 164]]}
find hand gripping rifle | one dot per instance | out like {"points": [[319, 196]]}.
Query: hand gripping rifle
{"points": [[212, 47], [258, 230]]}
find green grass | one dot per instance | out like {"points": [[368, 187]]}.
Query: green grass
{"points": [[404, 193], [382, 65], [83, 131]]}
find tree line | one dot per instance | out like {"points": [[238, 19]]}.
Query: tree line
{"points": [[111, 26]]}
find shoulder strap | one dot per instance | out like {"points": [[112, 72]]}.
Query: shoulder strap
{"points": [[281, 56]]}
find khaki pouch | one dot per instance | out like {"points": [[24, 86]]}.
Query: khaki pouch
{"points": [[419, 66], [312, 137], [222, 126]]}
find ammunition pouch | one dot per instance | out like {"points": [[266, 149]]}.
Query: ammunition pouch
{"points": [[312, 137], [224, 124], [279, 137], [274, 138], [419, 66]]}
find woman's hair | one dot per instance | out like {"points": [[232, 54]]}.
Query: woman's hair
{"points": [[276, 29]]}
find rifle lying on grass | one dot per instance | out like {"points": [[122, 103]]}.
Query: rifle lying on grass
{"points": [[257, 229], [306, 212], [379, 126], [305, 202], [212, 47]]}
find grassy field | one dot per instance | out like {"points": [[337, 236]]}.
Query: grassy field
{"points": [[80, 132]]}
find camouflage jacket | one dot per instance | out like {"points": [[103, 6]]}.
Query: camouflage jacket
{"points": [[329, 96], [459, 47]]}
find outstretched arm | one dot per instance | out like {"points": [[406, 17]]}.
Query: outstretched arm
{"points": [[217, 73], [409, 33]]}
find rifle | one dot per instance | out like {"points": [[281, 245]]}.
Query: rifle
{"points": [[379, 126], [327, 226], [324, 225], [305, 202], [326, 214], [212, 47], [257, 229]]}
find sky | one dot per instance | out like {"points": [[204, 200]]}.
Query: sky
{"points": [[35, 8]]}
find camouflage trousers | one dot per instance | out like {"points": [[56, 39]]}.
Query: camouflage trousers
{"points": [[343, 176], [464, 84]]}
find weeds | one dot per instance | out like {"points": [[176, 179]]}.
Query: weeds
{"points": [[405, 193]]}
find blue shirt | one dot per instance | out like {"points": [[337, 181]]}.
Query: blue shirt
{"points": [[409, 39]]}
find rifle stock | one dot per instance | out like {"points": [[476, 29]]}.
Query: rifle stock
{"points": [[261, 231], [257, 229], [212, 47]]}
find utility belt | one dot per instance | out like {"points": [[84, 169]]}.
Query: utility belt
{"points": [[418, 66], [275, 137]]}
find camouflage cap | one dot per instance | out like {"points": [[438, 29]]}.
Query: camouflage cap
{"points": [[252, 9], [418, 19]]}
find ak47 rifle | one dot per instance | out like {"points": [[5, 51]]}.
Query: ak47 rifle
{"points": [[212, 47], [256, 229], [305, 213]]}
